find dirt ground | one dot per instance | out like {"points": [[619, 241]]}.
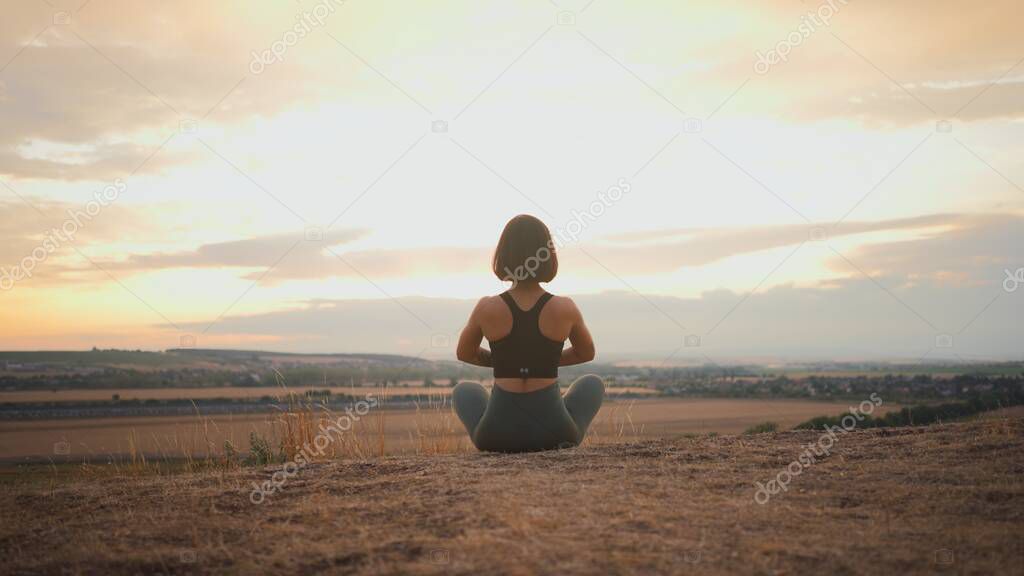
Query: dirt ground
{"points": [[942, 499]]}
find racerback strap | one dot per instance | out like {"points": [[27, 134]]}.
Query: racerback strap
{"points": [[525, 352], [518, 312]]}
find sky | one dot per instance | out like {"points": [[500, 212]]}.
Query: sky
{"points": [[786, 180]]}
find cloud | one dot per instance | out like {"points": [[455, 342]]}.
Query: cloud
{"points": [[248, 253], [104, 162], [884, 64], [850, 319], [115, 76], [976, 250], [892, 301], [294, 257], [928, 102], [652, 252], [118, 75], [668, 250], [27, 223]]}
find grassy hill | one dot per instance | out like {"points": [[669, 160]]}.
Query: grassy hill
{"points": [[941, 499]]}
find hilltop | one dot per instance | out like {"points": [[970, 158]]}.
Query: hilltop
{"points": [[893, 501]]}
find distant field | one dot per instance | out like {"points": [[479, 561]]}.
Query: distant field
{"points": [[404, 429], [236, 392], [96, 358], [1014, 412]]}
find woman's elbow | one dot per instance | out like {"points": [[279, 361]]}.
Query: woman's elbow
{"points": [[465, 355], [588, 354]]}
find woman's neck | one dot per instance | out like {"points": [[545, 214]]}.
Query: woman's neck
{"points": [[526, 288]]}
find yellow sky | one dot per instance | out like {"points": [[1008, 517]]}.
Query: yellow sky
{"points": [[379, 150]]}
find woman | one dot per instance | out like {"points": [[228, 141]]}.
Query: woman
{"points": [[526, 328]]}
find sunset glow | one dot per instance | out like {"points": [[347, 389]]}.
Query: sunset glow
{"points": [[858, 199]]}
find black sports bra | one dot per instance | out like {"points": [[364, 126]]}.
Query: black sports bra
{"points": [[525, 352]]}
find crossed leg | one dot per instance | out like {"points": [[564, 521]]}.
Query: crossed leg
{"points": [[470, 402], [583, 400]]}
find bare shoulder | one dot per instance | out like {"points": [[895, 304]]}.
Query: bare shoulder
{"points": [[564, 307], [488, 306]]}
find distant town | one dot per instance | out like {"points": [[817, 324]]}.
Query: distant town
{"points": [[35, 385]]}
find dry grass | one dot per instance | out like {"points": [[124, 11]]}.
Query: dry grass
{"points": [[943, 499], [613, 423], [298, 425], [175, 437], [438, 430], [191, 447], [295, 428]]}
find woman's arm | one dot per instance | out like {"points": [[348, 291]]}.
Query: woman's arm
{"points": [[582, 349], [469, 350]]}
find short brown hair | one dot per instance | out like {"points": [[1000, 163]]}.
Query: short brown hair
{"points": [[525, 251]]}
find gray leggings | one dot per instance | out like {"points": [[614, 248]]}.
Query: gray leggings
{"points": [[540, 420]]}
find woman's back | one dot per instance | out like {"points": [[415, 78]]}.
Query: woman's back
{"points": [[526, 328], [554, 319]]}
